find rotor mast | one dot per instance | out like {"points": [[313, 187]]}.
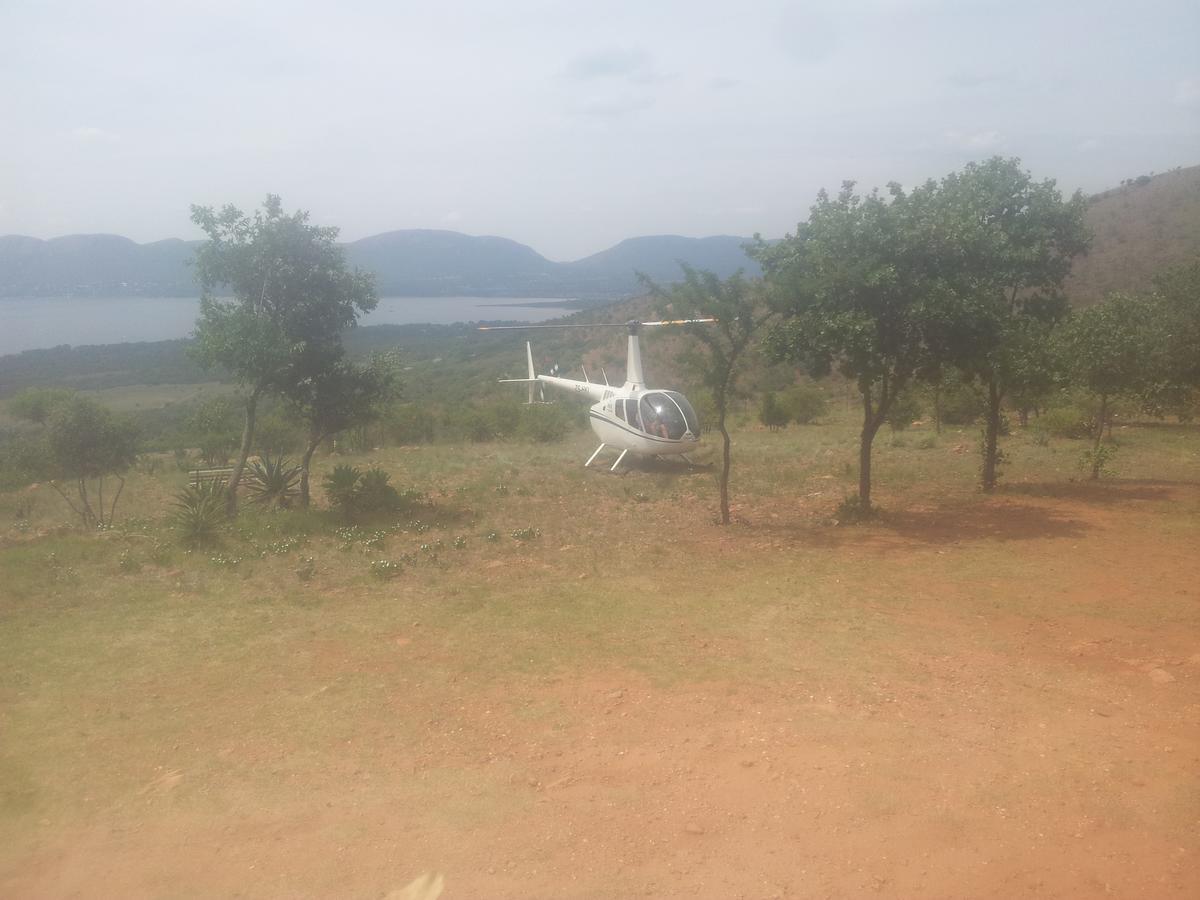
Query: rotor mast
{"points": [[634, 377]]}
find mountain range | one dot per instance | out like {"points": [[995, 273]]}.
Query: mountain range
{"points": [[415, 263], [1144, 226]]}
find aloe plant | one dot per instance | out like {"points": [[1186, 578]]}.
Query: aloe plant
{"points": [[274, 483]]}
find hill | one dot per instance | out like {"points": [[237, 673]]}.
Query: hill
{"points": [[414, 263], [1141, 228]]}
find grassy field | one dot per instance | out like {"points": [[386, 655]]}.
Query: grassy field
{"points": [[578, 686]]}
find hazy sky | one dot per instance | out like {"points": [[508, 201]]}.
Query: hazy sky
{"points": [[568, 126]]}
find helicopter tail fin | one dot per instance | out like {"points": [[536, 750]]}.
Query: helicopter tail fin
{"points": [[532, 380]]}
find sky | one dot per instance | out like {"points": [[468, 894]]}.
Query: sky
{"points": [[568, 126]]}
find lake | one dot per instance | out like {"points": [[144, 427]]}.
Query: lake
{"points": [[31, 323]]}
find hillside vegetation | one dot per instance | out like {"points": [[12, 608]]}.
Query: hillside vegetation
{"points": [[1144, 227]]}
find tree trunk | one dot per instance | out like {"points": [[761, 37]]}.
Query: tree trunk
{"points": [[937, 407], [243, 453], [1099, 434], [89, 517], [314, 441], [725, 460], [112, 512], [872, 420], [991, 436]]}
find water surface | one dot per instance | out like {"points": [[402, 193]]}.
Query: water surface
{"points": [[31, 323]]}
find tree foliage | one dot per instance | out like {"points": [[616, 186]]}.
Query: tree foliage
{"points": [[1104, 349], [85, 444], [1007, 250], [861, 294], [719, 349], [292, 296]]}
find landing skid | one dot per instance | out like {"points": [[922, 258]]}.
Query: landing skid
{"points": [[592, 458]]}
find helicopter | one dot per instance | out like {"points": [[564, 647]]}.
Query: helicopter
{"points": [[631, 418]]}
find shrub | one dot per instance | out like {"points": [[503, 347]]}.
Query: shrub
{"points": [[804, 403], [374, 493], [273, 483], [962, 404], [771, 413], [544, 423], [905, 410], [1065, 421], [341, 486], [199, 513]]}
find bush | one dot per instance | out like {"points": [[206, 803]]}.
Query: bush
{"points": [[1066, 422], [544, 423], [905, 410], [962, 404], [199, 513], [275, 433], [273, 483], [771, 413], [356, 493], [804, 403]]}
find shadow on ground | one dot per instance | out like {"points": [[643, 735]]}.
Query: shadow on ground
{"points": [[1104, 493]]}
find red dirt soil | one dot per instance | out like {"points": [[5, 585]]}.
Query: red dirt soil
{"points": [[1067, 769]]}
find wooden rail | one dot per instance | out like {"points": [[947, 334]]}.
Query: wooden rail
{"points": [[197, 477]]}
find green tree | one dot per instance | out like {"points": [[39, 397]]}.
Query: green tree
{"points": [[720, 349], [861, 294], [337, 395], [36, 404], [292, 296], [84, 444], [1175, 363], [1104, 349], [1006, 244]]}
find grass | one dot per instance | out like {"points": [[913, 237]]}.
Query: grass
{"points": [[266, 687]]}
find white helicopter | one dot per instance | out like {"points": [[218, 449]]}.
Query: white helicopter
{"points": [[631, 418]]}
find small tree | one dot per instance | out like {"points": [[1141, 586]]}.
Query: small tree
{"points": [[1005, 243], [771, 413], [861, 294], [338, 395], [85, 444], [36, 404], [1104, 349], [293, 295], [1174, 381], [720, 348]]}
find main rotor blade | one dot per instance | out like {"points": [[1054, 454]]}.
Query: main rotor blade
{"points": [[681, 322], [570, 325]]}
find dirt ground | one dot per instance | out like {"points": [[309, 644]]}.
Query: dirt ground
{"points": [[1038, 735]]}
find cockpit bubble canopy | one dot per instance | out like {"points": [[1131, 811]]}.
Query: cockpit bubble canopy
{"points": [[667, 414]]}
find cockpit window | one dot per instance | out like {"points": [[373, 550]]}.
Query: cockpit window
{"points": [[662, 417], [689, 414]]}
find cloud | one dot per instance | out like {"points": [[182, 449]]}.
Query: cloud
{"points": [[88, 134], [1187, 93], [452, 218], [722, 84], [977, 140], [1087, 145], [611, 107], [631, 65]]}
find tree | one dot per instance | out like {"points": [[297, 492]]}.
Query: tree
{"points": [[337, 395], [1175, 360], [292, 296], [721, 347], [1008, 243], [86, 443], [1104, 349], [861, 294], [36, 404]]}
